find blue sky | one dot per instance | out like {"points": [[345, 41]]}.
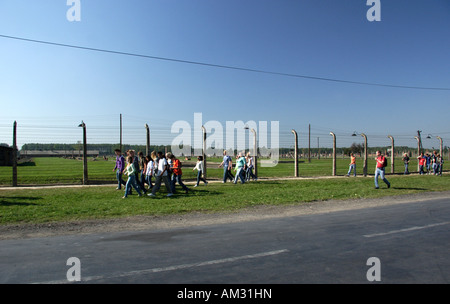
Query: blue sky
{"points": [[49, 89]]}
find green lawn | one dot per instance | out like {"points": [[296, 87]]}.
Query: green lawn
{"points": [[69, 171], [65, 204]]}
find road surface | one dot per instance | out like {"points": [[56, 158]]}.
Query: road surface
{"points": [[391, 243]]}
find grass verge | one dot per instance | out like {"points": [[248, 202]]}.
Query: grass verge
{"points": [[68, 204]]}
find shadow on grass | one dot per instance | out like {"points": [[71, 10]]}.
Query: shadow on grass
{"points": [[18, 200], [266, 182], [180, 194], [27, 164], [410, 188]]}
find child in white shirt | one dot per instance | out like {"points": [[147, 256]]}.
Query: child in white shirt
{"points": [[199, 167]]}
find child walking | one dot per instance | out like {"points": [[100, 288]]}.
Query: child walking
{"points": [[130, 170], [199, 167], [161, 176], [352, 165], [150, 169]]}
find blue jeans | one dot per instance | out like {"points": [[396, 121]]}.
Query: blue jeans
{"points": [[435, 168], [240, 174], [131, 182], [249, 174], [138, 182], [406, 168], [200, 178], [120, 181], [227, 174], [421, 171], [380, 172], [143, 180], [352, 167], [177, 179]]}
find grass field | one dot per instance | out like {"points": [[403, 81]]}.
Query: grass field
{"points": [[44, 171], [24, 205]]}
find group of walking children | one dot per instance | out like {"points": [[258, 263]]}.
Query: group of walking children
{"points": [[381, 163], [244, 168], [141, 170], [431, 163]]}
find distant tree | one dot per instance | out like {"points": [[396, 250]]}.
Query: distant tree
{"points": [[356, 148]]}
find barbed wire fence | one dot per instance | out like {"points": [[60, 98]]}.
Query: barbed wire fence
{"points": [[63, 137]]}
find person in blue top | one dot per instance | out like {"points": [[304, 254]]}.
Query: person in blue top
{"points": [[227, 165]]}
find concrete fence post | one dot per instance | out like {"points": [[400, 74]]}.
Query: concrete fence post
{"points": [[14, 155], [255, 151], [296, 153], [334, 153], [392, 154], [85, 168], [365, 154], [147, 150], [204, 152]]}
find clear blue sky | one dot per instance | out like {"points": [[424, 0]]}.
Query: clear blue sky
{"points": [[49, 89]]}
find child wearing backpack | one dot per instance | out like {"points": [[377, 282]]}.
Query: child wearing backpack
{"points": [[422, 162], [379, 171]]}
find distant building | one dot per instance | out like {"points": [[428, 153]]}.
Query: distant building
{"points": [[56, 153], [6, 156]]}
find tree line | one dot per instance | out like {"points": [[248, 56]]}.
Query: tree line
{"points": [[104, 149], [108, 149]]}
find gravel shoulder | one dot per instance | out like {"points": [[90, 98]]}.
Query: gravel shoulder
{"points": [[136, 223]]}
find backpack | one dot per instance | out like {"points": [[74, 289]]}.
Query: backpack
{"points": [[385, 162]]}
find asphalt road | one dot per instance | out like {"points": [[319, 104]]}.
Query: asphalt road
{"points": [[410, 242]]}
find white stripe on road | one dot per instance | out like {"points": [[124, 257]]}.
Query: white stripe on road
{"points": [[171, 268], [406, 229]]}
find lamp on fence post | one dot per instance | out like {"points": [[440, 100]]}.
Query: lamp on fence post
{"points": [[440, 144], [296, 153], [204, 151], [392, 153], [14, 155], [85, 170], [334, 153], [148, 139]]}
